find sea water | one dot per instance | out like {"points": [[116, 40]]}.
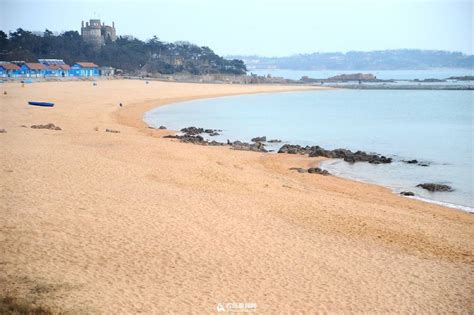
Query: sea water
{"points": [[433, 127]]}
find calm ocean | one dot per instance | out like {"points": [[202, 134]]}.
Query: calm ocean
{"points": [[431, 126]]}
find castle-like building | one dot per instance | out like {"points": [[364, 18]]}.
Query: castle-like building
{"points": [[95, 33]]}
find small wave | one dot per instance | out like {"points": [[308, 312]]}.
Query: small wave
{"points": [[445, 204]]}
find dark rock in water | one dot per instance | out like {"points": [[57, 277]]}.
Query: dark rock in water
{"points": [[112, 131], [416, 162], [274, 141], [243, 146], [192, 131], [348, 155], [317, 170], [407, 193], [3, 131], [212, 132], [299, 169], [435, 187], [162, 127], [49, 126], [259, 139]]}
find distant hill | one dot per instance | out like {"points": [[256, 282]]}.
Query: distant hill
{"points": [[127, 53], [409, 59]]}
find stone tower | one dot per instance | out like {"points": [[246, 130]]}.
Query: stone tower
{"points": [[97, 34]]}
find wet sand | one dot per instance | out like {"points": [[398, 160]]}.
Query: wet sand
{"points": [[129, 222]]}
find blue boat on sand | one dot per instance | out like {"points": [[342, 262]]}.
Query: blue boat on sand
{"points": [[44, 104]]}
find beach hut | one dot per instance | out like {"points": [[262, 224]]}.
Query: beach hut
{"points": [[84, 69], [55, 67], [9, 70], [57, 70], [32, 70]]}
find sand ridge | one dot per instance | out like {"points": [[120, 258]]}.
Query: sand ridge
{"points": [[95, 222]]}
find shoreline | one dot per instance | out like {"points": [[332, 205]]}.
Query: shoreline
{"points": [[353, 179], [128, 222]]}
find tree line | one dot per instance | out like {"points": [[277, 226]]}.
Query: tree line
{"points": [[129, 54]]}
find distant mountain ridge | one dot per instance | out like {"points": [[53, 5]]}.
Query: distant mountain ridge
{"points": [[400, 59]]}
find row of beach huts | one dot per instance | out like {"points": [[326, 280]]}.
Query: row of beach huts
{"points": [[51, 68]]}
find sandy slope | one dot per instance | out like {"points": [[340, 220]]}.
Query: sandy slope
{"points": [[127, 223]]}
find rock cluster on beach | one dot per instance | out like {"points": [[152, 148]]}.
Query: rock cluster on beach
{"points": [[194, 139], [192, 131], [345, 154], [244, 146], [192, 135], [236, 145], [49, 126], [311, 170]]}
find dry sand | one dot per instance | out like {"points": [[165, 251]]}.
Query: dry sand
{"points": [[97, 222]]}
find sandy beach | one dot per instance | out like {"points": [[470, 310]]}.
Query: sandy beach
{"points": [[123, 223]]}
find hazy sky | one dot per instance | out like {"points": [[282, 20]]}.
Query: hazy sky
{"points": [[264, 27]]}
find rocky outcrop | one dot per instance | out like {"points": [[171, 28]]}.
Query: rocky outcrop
{"points": [[49, 126], [407, 193], [243, 146], [192, 135], [259, 139], [192, 131], [346, 155], [293, 149], [162, 127], [311, 170], [299, 169], [186, 138], [435, 187], [317, 170], [274, 141], [349, 156]]}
